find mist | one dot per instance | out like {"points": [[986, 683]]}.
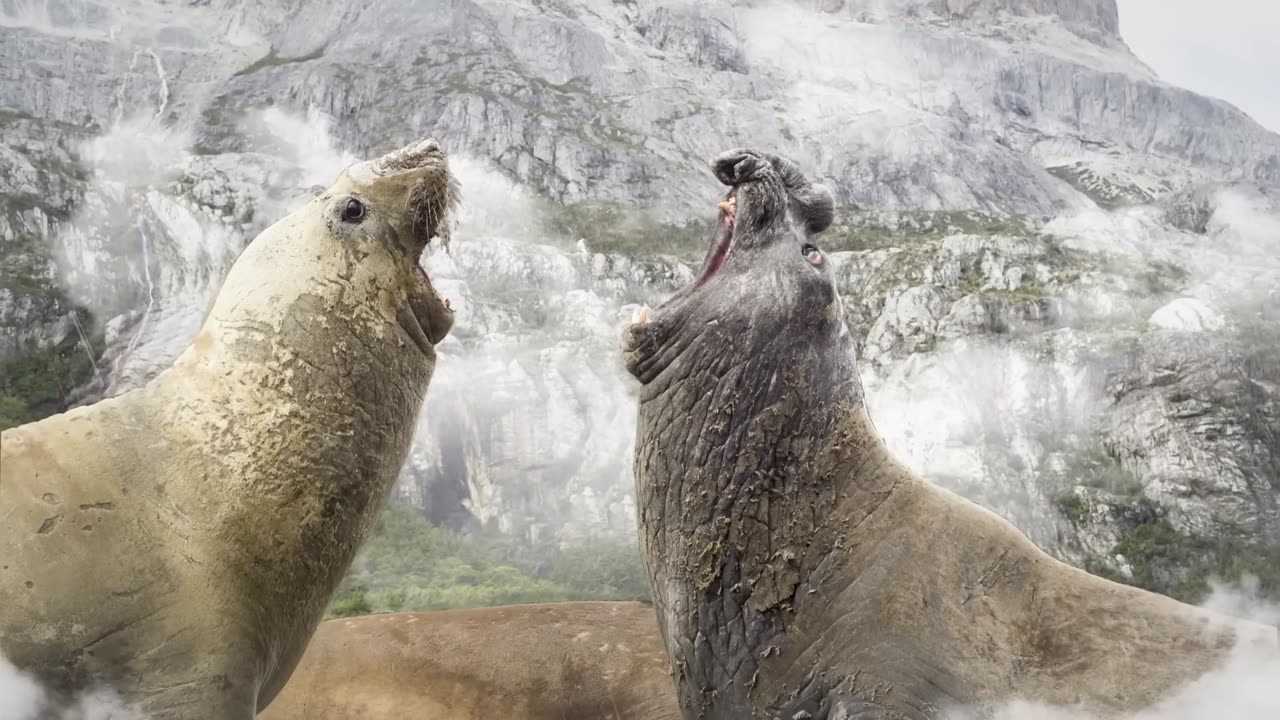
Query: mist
{"points": [[22, 698]]}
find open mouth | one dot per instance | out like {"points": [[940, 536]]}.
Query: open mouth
{"points": [[416, 182], [721, 248], [723, 244], [426, 317]]}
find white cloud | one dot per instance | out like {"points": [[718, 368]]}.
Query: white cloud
{"points": [[1224, 49], [22, 699]]}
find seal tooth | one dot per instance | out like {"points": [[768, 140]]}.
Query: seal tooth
{"points": [[640, 316], [729, 207]]}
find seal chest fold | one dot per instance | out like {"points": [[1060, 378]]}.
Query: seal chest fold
{"points": [[228, 496], [799, 570]]}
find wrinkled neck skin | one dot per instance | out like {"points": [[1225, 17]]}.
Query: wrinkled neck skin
{"points": [[290, 416], [752, 431], [725, 478]]}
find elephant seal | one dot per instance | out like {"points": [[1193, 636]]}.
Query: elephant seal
{"points": [[579, 660], [179, 543], [798, 570]]}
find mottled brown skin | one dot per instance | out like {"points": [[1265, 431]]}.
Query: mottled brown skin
{"points": [[178, 543], [798, 569], [559, 661]]}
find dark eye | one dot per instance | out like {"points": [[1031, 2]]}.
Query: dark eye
{"points": [[812, 254], [353, 212]]}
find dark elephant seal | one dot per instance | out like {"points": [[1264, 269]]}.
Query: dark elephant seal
{"points": [[576, 660], [798, 570], [179, 543]]}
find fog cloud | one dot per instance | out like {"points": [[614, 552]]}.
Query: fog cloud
{"points": [[21, 698]]}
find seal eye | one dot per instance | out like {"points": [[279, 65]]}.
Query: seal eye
{"points": [[353, 212], [812, 254]]}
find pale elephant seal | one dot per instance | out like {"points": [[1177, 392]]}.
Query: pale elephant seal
{"points": [[179, 543], [798, 569], [575, 661]]}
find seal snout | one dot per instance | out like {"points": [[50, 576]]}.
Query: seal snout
{"points": [[410, 157], [764, 237], [422, 193]]}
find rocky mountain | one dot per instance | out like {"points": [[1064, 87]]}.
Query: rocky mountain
{"points": [[1064, 270]]}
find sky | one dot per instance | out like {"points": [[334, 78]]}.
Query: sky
{"points": [[1228, 49]]}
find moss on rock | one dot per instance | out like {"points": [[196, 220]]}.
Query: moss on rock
{"points": [[1173, 563], [1095, 468], [38, 383], [1072, 506], [273, 58], [856, 230]]}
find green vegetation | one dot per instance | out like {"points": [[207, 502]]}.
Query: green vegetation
{"points": [[1161, 278], [215, 113], [913, 244], [1181, 566], [1072, 507], [409, 564], [36, 384], [13, 205], [858, 231], [615, 228], [24, 283], [13, 412], [219, 118], [8, 115], [1095, 468], [693, 108], [12, 116], [1103, 192], [560, 107], [272, 59], [972, 280], [1158, 553], [1094, 566], [1162, 559]]}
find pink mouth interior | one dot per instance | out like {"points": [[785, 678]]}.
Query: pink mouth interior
{"points": [[724, 244]]}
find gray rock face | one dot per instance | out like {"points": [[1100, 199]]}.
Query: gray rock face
{"points": [[1193, 421], [1095, 20], [1187, 315], [41, 183], [1020, 197]]}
